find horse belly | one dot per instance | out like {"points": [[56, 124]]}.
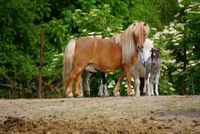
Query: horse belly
{"points": [[103, 55], [105, 64], [107, 58]]}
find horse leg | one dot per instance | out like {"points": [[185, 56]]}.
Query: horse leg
{"points": [[127, 71], [118, 85], [137, 82], [151, 84], [141, 87], [101, 87], [151, 89], [100, 93], [146, 84], [106, 90], [78, 92], [104, 83], [72, 76], [68, 87], [156, 83], [85, 83]]}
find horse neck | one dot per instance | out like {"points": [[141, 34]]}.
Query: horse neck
{"points": [[126, 42], [117, 39], [134, 58], [141, 59]]}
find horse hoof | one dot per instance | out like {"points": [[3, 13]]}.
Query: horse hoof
{"points": [[132, 93], [69, 95], [116, 94], [137, 94], [147, 94], [107, 95], [87, 94], [78, 95], [101, 95]]}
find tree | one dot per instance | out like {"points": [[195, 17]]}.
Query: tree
{"points": [[181, 38], [21, 22]]}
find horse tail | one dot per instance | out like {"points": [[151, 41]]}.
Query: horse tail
{"points": [[68, 62]]}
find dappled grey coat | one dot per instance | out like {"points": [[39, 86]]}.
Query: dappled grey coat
{"points": [[153, 66]]}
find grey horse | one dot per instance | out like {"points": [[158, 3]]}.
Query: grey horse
{"points": [[152, 67], [138, 70]]}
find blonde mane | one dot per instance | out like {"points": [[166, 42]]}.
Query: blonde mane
{"points": [[126, 41]]}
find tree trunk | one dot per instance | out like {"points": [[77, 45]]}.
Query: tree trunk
{"points": [[41, 61]]}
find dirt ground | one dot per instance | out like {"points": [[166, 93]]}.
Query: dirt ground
{"points": [[123, 115]]}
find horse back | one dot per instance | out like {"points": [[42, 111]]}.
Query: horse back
{"points": [[103, 53]]}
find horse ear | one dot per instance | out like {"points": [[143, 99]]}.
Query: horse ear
{"points": [[151, 49], [145, 23]]}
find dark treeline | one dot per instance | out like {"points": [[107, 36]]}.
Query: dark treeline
{"points": [[175, 29]]}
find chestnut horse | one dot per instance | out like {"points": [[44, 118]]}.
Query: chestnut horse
{"points": [[138, 71], [104, 55]]}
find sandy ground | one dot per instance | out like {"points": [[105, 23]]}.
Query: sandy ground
{"points": [[123, 115]]}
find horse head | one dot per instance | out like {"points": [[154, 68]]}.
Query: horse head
{"points": [[132, 40], [139, 31], [155, 55]]}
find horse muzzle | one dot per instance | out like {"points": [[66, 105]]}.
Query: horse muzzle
{"points": [[139, 47]]}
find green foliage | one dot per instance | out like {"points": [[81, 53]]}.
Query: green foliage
{"points": [[17, 39], [21, 22], [180, 39]]}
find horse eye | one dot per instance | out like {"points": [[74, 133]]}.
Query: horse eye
{"points": [[145, 23]]}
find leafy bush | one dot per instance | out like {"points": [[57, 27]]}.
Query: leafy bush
{"points": [[21, 22]]}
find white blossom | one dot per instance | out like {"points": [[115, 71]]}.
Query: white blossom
{"points": [[172, 61], [78, 10], [111, 84], [165, 31], [176, 15], [176, 44], [187, 10], [172, 24]]}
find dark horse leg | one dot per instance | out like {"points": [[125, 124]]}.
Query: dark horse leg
{"points": [[103, 91], [85, 83], [141, 86], [86, 88], [103, 77]]}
